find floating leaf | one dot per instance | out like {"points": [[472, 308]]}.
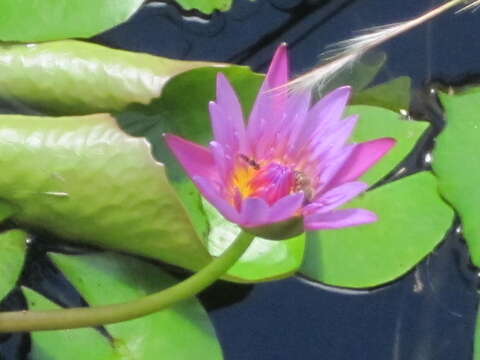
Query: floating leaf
{"points": [[413, 219], [376, 122], [27, 21], [393, 95], [181, 332], [73, 344], [456, 162], [12, 257], [76, 78], [206, 6], [84, 179]]}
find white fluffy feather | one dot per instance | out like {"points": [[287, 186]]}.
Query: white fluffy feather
{"points": [[346, 52]]}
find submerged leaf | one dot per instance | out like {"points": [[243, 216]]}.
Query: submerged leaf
{"points": [[181, 332]]}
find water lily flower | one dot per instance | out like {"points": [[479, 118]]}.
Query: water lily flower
{"points": [[291, 163]]}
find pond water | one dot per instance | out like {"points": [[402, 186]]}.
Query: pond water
{"points": [[430, 312]]}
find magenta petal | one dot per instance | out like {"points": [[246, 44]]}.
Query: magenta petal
{"points": [[363, 157], [325, 114], [331, 145], [227, 117], [270, 104], [209, 191], [223, 163], [286, 207], [254, 212], [195, 159], [336, 197], [339, 219]]}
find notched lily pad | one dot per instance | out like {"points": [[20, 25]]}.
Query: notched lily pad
{"points": [[85, 180], [456, 162], [413, 219], [182, 331]]}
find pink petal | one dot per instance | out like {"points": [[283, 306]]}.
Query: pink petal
{"points": [[195, 159], [211, 193], [325, 114], [270, 105], [328, 168], [227, 117], [339, 219], [254, 212], [363, 157], [223, 163], [331, 143], [336, 197], [286, 207]]}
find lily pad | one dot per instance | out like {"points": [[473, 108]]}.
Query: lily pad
{"points": [[413, 220], [377, 122], [77, 78], [456, 162], [181, 332], [206, 6], [12, 257], [26, 21], [85, 180], [393, 95], [73, 344]]}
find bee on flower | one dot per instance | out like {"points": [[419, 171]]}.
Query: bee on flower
{"points": [[290, 167]]}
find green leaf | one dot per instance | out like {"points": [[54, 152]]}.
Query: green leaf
{"points": [[413, 220], [75, 78], [393, 95], [376, 122], [12, 258], [26, 21], [181, 332], [87, 181], [206, 6], [74, 344], [456, 163]]}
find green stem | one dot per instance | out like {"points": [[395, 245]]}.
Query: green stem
{"points": [[93, 316]]}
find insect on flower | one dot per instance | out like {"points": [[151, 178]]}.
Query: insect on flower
{"points": [[291, 163]]}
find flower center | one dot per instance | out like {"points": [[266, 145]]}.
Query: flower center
{"points": [[269, 181]]}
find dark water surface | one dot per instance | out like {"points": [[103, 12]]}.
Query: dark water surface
{"points": [[429, 314]]}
